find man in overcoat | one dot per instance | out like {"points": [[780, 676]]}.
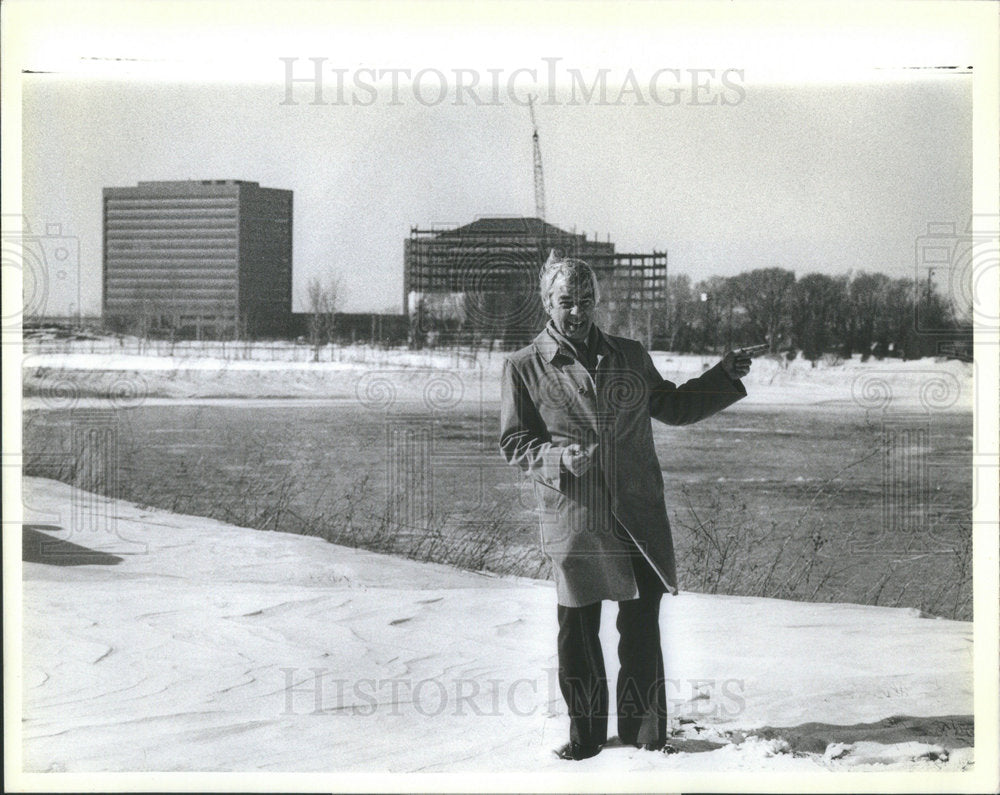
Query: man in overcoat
{"points": [[575, 415]]}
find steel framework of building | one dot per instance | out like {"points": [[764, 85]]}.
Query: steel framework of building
{"points": [[482, 278]]}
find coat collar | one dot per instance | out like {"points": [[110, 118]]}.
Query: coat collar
{"points": [[549, 347]]}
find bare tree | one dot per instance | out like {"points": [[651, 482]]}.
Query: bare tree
{"points": [[322, 298], [819, 303], [680, 313], [766, 295], [719, 313], [868, 301]]}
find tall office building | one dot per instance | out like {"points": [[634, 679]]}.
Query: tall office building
{"points": [[211, 257]]}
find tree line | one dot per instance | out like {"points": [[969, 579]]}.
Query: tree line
{"points": [[814, 315]]}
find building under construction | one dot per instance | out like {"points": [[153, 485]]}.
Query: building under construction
{"points": [[480, 281], [210, 258]]}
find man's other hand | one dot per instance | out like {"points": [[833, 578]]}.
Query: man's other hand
{"points": [[736, 364], [576, 460]]}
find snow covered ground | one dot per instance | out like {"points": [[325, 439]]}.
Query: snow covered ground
{"points": [[57, 379], [177, 643]]}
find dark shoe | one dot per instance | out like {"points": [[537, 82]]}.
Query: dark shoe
{"points": [[660, 745], [576, 752]]}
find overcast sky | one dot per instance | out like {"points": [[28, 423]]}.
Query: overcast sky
{"points": [[813, 176]]}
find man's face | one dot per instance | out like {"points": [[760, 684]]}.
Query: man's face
{"points": [[571, 306]]}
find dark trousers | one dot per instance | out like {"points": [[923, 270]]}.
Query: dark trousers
{"points": [[641, 692]]}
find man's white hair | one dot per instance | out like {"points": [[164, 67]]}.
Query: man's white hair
{"points": [[576, 271]]}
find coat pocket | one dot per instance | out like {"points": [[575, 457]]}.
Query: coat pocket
{"points": [[548, 495]]}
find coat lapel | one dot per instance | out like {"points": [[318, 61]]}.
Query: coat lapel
{"points": [[578, 388], [581, 391]]}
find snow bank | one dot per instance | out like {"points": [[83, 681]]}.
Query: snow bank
{"points": [[58, 379], [191, 645]]}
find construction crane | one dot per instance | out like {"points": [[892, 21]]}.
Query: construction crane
{"points": [[539, 174]]}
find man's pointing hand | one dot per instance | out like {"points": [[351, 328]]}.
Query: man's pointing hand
{"points": [[736, 364]]}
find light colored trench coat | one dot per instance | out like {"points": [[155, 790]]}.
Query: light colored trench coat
{"points": [[589, 523]]}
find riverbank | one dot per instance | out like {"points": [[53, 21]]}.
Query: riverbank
{"points": [[165, 642]]}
